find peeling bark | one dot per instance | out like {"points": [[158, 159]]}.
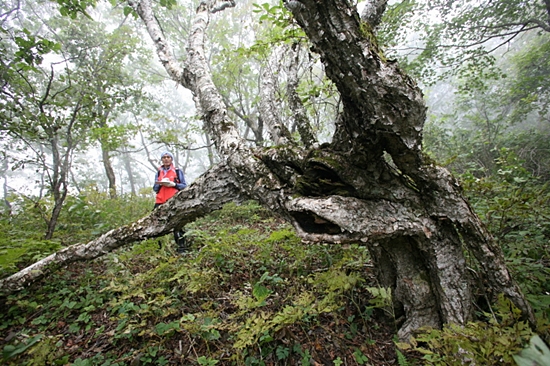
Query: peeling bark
{"points": [[370, 185]]}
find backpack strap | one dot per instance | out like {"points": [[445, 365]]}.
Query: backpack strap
{"points": [[178, 172]]}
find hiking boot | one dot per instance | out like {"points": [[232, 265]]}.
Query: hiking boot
{"points": [[181, 241]]}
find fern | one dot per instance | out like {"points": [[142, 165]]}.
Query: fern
{"points": [[401, 359]]}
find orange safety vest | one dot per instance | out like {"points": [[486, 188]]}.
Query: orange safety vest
{"points": [[165, 193]]}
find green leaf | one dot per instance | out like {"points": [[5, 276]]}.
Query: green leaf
{"points": [[360, 357], [163, 328], [282, 352], [11, 351], [128, 10], [260, 292]]}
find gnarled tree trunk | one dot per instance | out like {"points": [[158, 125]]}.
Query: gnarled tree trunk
{"points": [[371, 184]]}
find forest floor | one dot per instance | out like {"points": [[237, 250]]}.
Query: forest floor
{"points": [[248, 292]]}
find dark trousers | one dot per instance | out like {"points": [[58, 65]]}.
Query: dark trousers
{"points": [[179, 236]]}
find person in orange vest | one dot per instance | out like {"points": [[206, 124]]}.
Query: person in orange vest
{"points": [[169, 180]]}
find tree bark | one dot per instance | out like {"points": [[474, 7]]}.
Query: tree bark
{"points": [[384, 113], [373, 11], [298, 111], [370, 185], [207, 194], [280, 134], [109, 171], [61, 164], [3, 174], [125, 156]]}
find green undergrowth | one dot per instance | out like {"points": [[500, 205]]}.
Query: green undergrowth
{"points": [[83, 218], [515, 207], [249, 292], [495, 341]]}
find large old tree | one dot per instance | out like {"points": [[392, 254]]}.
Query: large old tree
{"points": [[371, 184]]}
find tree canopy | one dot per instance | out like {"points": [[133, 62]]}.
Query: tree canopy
{"points": [[463, 37]]}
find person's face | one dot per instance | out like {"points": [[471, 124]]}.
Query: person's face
{"points": [[166, 160]]}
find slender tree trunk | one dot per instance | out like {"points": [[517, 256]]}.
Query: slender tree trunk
{"points": [[58, 186], [129, 171], [109, 171], [59, 199], [280, 135], [103, 115], [252, 125], [299, 115], [5, 189], [62, 160]]}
